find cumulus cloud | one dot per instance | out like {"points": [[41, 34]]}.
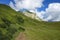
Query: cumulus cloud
{"points": [[12, 6], [52, 13], [26, 4]]}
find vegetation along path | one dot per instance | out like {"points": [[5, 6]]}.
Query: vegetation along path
{"points": [[21, 36]]}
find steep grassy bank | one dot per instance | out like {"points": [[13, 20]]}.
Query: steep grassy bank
{"points": [[9, 22], [12, 22]]}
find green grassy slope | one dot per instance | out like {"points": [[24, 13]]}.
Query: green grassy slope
{"points": [[34, 30], [9, 22]]}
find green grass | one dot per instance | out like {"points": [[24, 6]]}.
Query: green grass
{"points": [[10, 21], [34, 30]]}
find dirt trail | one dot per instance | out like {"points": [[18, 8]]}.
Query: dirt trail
{"points": [[21, 36]]}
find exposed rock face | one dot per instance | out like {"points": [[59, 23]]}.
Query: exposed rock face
{"points": [[32, 15]]}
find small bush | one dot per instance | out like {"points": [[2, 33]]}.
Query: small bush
{"points": [[7, 22], [22, 29], [19, 20], [3, 26]]}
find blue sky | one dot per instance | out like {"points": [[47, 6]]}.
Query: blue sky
{"points": [[4, 1], [48, 10], [45, 2]]}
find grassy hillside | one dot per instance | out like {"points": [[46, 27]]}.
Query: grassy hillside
{"points": [[9, 22], [12, 22]]}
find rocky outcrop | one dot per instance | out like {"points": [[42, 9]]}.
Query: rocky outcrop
{"points": [[32, 15]]}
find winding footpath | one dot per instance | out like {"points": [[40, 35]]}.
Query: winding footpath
{"points": [[21, 36]]}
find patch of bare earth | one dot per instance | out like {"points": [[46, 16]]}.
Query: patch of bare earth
{"points": [[21, 36]]}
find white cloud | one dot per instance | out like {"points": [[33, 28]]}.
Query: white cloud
{"points": [[52, 13], [12, 6], [26, 4]]}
